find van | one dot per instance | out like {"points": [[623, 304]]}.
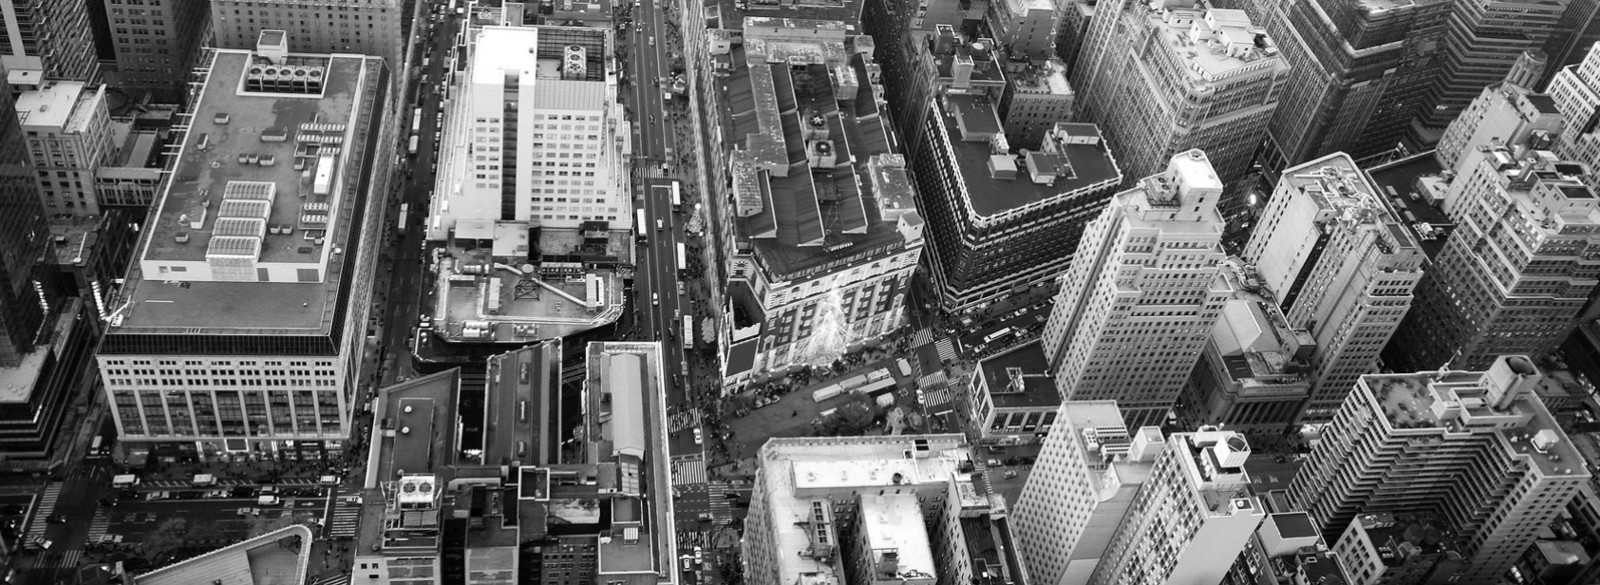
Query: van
{"points": [[268, 501]]}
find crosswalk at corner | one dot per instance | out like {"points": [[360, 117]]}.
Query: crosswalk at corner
{"points": [[100, 525], [47, 508], [343, 579], [688, 471]]}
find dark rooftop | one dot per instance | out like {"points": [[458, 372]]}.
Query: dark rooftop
{"points": [[1294, 525], [1020, 378], [1544, 103], [1403, 175], [848, 11], [1091, 164]]}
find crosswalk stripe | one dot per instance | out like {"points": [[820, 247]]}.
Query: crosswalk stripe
{"points": [[688, 472], [100, 525], [341, 579], [923, 337], [947, 350], [47, 508]]}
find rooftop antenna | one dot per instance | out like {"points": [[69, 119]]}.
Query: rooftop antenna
{"points": [[1445, 369]]}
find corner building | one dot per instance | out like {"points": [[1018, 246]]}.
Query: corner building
{"points": [[1163, 77], [1137, 305], [1475, 447], [1341, 264], [238, 332]]}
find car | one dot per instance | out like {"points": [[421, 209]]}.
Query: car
{"points": [[680, 288], [248, 511], [699, 436], [655, 299], [1010, 473], [660, 226], [652, 41], [56, 519]]}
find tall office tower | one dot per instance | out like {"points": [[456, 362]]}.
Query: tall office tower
{"points": [[363, 27], [1173, 78], [944, 62], [1137, 304], [1341, 264], [1358, 68], [157, 44], [1385, 549], [1082, 487], [896, 510], [1486, 38], [1255, 373], [1026, 28], [1191, 518], [1478, 448], [69, 139], [1576, 91], [24, 235], [1072, 27], [531, 140], [239, 331], [1574, 36], [47, 40], [1506, 112], [824, 233], [1003, 222], [1036, 98], [1519, 266]]}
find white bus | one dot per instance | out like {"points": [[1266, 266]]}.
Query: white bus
{"points": [[125, 481], [688, 332], [683, 255], [1002, 332], [405, 210], [416, 121], [642, 229], [677, 196]]}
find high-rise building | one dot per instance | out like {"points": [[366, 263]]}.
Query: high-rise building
{"points": [[824, 228], [1516, 271], [1576, 91], [1358, 71], [904, 510], [1192, 517], [1161, 78], [1137, 304], [69, 139], [1255, 372], [1081, 488], [47, 40], [1036, 98], [1026, 28], [363, 27], [240, 329], [1506, 112], [1573, 38], [157, 44], [1385, 548], [1003, 222], [495, 151], [1484, 40], [24, 235], [1341, 265], [1477, 448]]}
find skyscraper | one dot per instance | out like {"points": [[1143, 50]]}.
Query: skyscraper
{"points": [[1161, 78], [1484, 40], [68, 124], [1505, 112], [23, 238], [157, 43], [1576, 91], [1081, 487], [1191, 518], [1341, 265], [47, 40], [1574, 36], [1358, 68], [1003, 222], [363, 27], [1520, 265], [1137, 304], [1476, 447], [239, 332]]}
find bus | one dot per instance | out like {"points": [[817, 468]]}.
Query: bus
{"points": [[643, 228], [683, 262], [688, 332], [677, 196], [413, 148], [1002, 332], [405, 209], [98, 447], [416, 121]]}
